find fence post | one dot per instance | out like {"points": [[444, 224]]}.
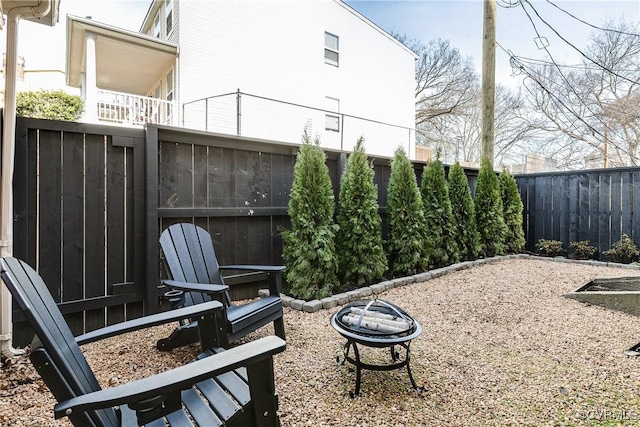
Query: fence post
{"points": [[238, 112]]}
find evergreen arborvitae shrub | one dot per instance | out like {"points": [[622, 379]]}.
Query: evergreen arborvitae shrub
{"points": [[465, 232], [361, 256], [512, 213], [441, 247], [488, 207], [405, 215], [309, 248]]}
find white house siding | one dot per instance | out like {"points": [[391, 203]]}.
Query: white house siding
{"points": [[275, 49]]}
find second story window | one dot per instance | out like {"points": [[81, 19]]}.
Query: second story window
{"points": [[168, 12], [156, 26], [331, 53]]}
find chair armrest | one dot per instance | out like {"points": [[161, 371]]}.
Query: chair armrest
{"points": [[267, 268], [177, 379], [149, 321], [274, 274], [208, 288]]}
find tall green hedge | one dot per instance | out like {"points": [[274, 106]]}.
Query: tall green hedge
{"points": [[406, 248], [442, 249], [465, 231], [309, 248], [489, 215], [512, 212], [360, 251]]}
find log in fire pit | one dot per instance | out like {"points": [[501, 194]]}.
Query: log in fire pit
{"points": [[375, 323]]}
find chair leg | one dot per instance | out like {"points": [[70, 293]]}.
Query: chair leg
{"points": [[263, 395], [278, 325], [180, 336]]}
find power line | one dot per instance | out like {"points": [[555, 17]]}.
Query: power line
{"points": [[571, 44], [591, 25], [564, 77], [567, 109]]}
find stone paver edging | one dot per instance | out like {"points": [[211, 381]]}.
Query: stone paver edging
{"points": [[379, 288]]}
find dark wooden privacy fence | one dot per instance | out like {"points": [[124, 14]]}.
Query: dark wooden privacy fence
{"points": [[91, 201], [79, 206], [596, 205]]}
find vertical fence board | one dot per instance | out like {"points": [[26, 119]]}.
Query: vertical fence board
{"points": [[94, 227], [616, 206], [168, 191], [200, 176], [73, 224], [541, 204], [279, 190], [604, 210], [117, 166], [24, 241], [584, 207], [49, 221], [557, 190], [573, 207], [532, 237], [215, 176]]}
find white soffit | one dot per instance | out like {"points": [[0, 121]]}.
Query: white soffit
{"points": [[126, 61]]}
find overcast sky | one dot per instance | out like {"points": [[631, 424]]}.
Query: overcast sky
{"points": [[459, 21]]}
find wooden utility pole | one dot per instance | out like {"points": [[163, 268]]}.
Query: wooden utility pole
{"points": [[487, 136]]}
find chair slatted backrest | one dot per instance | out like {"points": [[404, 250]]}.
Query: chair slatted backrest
{"points": [[189, 256], [71, 371]]}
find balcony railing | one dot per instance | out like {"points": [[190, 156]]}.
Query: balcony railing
{"points": [[125, 108]]}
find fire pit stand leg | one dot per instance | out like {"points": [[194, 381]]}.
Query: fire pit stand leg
{"points": [[395, 356], [408, 357], [356, 362]]}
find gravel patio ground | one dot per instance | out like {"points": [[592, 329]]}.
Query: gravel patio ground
{"points": [[501, 346]]}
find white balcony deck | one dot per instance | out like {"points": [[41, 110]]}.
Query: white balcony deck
{"points": [[133, 110]]}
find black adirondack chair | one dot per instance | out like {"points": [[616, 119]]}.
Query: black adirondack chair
{"points": [[232, 388], [192, 267]]}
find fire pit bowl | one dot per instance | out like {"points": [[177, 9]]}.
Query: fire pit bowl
{"points": [[375, 318], [376, 323]]}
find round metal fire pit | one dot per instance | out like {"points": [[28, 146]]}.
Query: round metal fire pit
{"points": [[376, 323], [362, 317]]}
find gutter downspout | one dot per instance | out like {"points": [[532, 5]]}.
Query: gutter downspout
{"points": [[8, 153]]}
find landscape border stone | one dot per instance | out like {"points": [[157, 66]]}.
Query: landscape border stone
{"points": [[381, 287]]}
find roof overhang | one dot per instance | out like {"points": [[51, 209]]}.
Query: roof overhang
{"points": [[28, 10], [126, 61]]}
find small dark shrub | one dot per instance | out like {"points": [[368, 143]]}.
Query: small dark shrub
{"points": [[550, 248], [582, 250], [624, 251]]}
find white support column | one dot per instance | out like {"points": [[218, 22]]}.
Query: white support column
{"points": [[90, 79]]}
